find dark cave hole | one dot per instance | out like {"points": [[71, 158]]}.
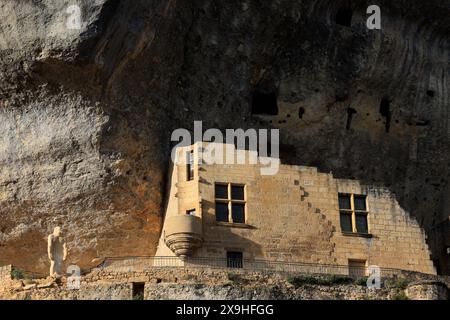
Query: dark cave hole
{"points": [[350, 113], [436, 185], [344, 16], [422, 123], [341, 97], [264, 103], [437, 264], [430, 93], [301, 112], [385, 111], [287, 153]]}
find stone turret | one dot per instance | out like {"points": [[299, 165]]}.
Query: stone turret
{"points": [[183, 234]]}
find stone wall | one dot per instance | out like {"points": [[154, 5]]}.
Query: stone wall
{"points": [[195, 284], [428, 290], [293, 216]]}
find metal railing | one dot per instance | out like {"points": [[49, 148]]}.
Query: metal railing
{"points": [[142, 264], [148, 263]]}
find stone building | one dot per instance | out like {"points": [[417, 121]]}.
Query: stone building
{"points": [[232, 212]]}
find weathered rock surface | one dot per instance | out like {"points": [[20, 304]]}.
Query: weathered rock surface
{"points": [[86, 115]]}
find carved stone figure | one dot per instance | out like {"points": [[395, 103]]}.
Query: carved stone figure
{"points": [[57, 252]]}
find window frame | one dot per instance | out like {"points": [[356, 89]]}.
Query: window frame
{"points": [[191, 212], [354, 212], [357, 267], [230, 201], [190, 163], [234, 262]]}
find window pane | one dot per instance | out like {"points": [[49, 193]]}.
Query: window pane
{"points": [[361, 223], [344, 201], [234, 259], [190, 172], [238, 212], [190, 157], [237, 192], [221, 191], [360, 203], [190, 165], [346, 222], [222, 212]]}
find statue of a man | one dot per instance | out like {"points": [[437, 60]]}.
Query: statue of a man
{"points": [[57, 252]]}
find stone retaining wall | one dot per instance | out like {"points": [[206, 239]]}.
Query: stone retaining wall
{"points": [[176, 283], [5, 273]]}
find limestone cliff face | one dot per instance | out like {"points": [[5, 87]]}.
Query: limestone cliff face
{"points": [[86, 115]]}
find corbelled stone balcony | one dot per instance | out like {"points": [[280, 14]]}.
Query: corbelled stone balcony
{"points": [[183, 234]]}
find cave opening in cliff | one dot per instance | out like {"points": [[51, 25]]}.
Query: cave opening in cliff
{"points": [[422, 123], [344, 16], [301, 112], [430, 93], [350, 113], [264, 103], [385, 111]]}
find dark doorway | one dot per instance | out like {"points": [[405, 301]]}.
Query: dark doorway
{"points": [[138, 290]]}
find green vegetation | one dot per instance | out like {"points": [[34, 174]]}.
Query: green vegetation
{"points": [[18, 274], [400, 295], [400, 283], [340, 280], [323, 281], [139, 296], [302, 280], [361, 281]]}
